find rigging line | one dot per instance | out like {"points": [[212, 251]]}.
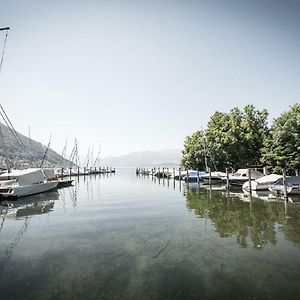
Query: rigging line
{"points": [[3, 50], [13, 132], [5, 149], [12, 129], [8, 124]]}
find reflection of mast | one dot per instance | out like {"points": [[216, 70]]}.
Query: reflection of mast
{"points": [[3, 219], [73, 193], [9, 250]]}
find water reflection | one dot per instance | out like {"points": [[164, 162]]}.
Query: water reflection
{"points": [[252, 222], [23, 209], [28, 206]]}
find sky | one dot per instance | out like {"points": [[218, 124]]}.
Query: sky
{"points": [[142, 75]]}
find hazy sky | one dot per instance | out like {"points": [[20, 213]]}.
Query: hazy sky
{"points": [[142, 75]]}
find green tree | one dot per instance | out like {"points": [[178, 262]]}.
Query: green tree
{"points": [[193, 155], [235, 138], [282, 147]]}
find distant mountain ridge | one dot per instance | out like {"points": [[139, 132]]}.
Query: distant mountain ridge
{"points": [[19, 157], [145, 159]]}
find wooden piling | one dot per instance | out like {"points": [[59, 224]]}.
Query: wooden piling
{"points": [[198, 179], [249, 180], [285, 194], [209, 170], [227, 179]]}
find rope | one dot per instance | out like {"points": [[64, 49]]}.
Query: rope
{"points": [[14, 132]]}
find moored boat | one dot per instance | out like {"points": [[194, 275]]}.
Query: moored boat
{"points": [[241, 176], [213, 177], [292, 186], [21, 183], [262, 183]]}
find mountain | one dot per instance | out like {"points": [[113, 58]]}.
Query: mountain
{"points": [[170, 158], [30, 155]]}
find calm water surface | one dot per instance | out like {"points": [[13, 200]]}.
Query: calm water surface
{"points": [[127, 237]]}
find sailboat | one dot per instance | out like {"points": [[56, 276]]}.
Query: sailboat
{"points": [[21, 183]]}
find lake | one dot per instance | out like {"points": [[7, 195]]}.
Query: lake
{"points": [[127, 237]]}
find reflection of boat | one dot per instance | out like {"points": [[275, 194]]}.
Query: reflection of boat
{"points": [[262, 183], [29, 206], [20, 183], [241, 176], [292, 186]]}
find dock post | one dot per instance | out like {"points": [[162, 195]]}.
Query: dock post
{"points": [[209, 170], [265, 171], [179, 171], [174, 173], [70, 172], [62, 172], [187, 176], [249, 178], [198, 179], [285, 194], [168, 177], [227, 179]]}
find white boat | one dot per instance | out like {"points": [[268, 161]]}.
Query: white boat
{"points": [[21, 183], [215, 177], [241, 176], [262, 183], [292, 185]]}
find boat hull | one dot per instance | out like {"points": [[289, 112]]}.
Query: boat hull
{"points": [[27, 190]]}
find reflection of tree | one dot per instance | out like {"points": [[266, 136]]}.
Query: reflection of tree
{"points": [[253, 221]]}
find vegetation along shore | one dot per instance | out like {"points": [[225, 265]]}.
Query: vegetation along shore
{"points": [[243, 138]]}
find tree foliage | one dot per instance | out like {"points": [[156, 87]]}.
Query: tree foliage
{"points": [[231, 139], [193, 155], [235, 138], [282, 148]]}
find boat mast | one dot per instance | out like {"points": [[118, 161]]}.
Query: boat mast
{"points": [[47, 148], [1, 63], [4, 46]]}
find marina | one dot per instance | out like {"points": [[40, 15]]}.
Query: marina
{"points": [[149, 150], [246, 179], [135, 237]]}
